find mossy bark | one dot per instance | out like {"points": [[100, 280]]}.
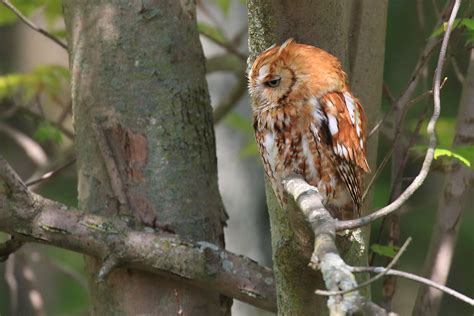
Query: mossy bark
{"points": [[145, 141], [355, 33]]}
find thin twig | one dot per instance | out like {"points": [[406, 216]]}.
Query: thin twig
{"points": [[32, 25], [378, 172], [371, 280], [31, 148], [420, 178], [414, 277], [226, 46], [50, 174], [410, 144], [36, 116]]}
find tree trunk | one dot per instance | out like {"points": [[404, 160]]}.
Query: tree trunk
{"points": [[145, 141], [355, 33]]}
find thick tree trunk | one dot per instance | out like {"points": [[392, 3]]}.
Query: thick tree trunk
{"points": [[145, 141], [355, 33]]}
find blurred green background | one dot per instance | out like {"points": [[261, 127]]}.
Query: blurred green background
{"points": [[36, 136]]}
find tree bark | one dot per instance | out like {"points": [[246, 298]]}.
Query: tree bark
{"points": [[355, 33], [145, 142], [451, 206]]}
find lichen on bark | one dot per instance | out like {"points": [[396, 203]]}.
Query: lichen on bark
{"points": [[145, 140]]}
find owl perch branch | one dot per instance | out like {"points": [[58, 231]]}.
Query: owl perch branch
{"points": [[338, 276], [32, 218], [336, 273]]}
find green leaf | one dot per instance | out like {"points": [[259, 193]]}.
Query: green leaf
{"points": [[51, 9], [464, 154], [26, 7], [468, 23], [384, 250], [47, 132], [50, 79]]}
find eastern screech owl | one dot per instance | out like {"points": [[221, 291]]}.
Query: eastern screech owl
{"points": [[307, 122]]}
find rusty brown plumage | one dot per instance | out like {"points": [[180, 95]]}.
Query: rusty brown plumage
{"points": [[308, 122]]}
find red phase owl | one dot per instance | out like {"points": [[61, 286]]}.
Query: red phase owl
{"points": [[307, 122]]}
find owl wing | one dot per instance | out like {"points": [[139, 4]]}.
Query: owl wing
{"points": [[346, 126]]}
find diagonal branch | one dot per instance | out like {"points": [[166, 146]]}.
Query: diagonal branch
{"points": [[416, 278], [32, 25], [336, 273], [420, 178], [32, 218], [375, 278]]}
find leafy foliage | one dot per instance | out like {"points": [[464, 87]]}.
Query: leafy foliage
{"points": [[468, 24], [47, 132], [384, 250], [51, 10], [49, 79], [465, 154]]}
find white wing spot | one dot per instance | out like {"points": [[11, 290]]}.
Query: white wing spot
{"points": [[344, 151], [333, 128], [358, 129], [317, 111], [350, 106]]}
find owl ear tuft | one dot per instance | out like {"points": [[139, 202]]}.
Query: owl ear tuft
{"points": [[285, 45]]}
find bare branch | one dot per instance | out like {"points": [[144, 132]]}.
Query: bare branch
{"points": [[228, 47], [414, 277], [33, 218], [31, 25], [110, 263], [452, 204], [420, 178], [371, 280], [50, 174], [336, 273], [31, 148]]}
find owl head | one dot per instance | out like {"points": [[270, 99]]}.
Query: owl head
{"points": [[292, 72]]}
